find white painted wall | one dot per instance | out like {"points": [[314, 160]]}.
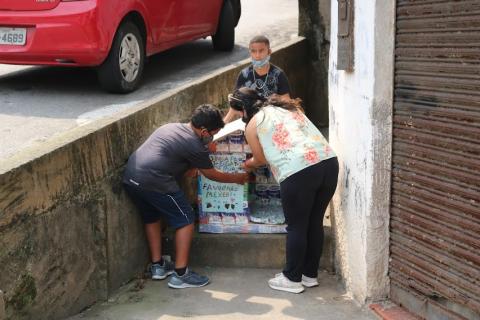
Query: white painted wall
{"points": [[360, 106]]}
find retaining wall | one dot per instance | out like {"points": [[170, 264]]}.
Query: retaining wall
{"points": [[68, 234]]}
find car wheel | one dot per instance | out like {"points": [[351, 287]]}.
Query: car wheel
{"points": [[238, 11], [122, 70], [224, 38]]}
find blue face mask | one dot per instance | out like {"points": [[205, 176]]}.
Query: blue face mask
{"points": [[260, 63], [207, 139]]}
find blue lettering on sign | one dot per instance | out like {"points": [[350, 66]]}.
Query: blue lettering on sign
{"points": [[223, 197]]}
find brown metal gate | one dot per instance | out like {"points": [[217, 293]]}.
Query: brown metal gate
{"points": [[435, 207]]}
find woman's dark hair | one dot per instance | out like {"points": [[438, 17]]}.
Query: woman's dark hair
{"points": [[252, 102], [289, 104], [208, 117]]}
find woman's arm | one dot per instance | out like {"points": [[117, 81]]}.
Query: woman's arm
{"points": [[231, 115], [258, 158]]}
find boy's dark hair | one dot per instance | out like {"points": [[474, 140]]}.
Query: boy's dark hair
{"points": [[260, 39], [207, 116]]}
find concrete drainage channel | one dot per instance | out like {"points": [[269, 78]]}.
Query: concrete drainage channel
{"points": [[69, 235]]}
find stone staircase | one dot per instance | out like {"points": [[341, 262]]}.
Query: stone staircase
{"points": [[244, 250]]}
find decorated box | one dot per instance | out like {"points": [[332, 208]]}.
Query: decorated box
{"points": [[232, 208]]}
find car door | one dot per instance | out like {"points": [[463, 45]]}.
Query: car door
{"points": [[198, 17], [163, 20]]}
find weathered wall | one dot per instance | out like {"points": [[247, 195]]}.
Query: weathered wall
{"points": [[68, 234], [360, 104], [2, 307], [314, 24]]}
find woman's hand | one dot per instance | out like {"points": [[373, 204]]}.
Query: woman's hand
{"points": [[249, 165]]}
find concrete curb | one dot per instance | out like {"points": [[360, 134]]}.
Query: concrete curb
{"points": [[388, 311], [36, 151]]}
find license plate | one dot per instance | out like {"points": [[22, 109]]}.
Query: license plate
{"points": [[13, 36]]}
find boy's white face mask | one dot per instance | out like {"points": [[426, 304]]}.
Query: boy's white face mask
{"points": [[257, 64]]}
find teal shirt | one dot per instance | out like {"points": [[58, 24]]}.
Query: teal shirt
{"points": [[290, 141]]}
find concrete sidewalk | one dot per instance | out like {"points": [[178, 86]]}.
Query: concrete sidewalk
{"points": [[232, 294]]}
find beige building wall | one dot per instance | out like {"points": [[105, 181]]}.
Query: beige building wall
{"points": [[360, 109]]}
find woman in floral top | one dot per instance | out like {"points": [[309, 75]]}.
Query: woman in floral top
{"points": [[306, 168]]}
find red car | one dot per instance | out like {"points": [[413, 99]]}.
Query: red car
{"points": [[115, 35]]}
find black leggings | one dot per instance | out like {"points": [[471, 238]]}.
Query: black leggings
{"points": [[305, 197]]}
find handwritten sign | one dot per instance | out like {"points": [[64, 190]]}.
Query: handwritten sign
{"points": [[224, 197], [221, 197], [228, 162]]}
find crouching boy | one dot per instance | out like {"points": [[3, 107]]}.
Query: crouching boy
{"points": [[151, 180]]}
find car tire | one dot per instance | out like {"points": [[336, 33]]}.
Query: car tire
{"points": [[237, 9], [224, 38], [122, 71]]}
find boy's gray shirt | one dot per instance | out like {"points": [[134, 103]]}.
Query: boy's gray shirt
{"points": [[161, 161]]}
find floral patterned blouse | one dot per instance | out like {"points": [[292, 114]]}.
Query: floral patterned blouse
{"points": [[290, 141]]}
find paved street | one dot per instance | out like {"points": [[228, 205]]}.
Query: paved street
{"points": [[234, 294], [37, 103]]}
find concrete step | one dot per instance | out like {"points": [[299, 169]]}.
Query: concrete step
{"points": [[244, 250]]}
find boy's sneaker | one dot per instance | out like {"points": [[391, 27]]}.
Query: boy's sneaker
{"points": [[189, 280], [160, 272], [282, 283], [309, 282]]}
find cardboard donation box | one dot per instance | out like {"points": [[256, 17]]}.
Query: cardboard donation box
{"points": [[233, 208]]}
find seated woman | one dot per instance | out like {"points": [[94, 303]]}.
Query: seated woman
{"points": [[306, 168]]}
